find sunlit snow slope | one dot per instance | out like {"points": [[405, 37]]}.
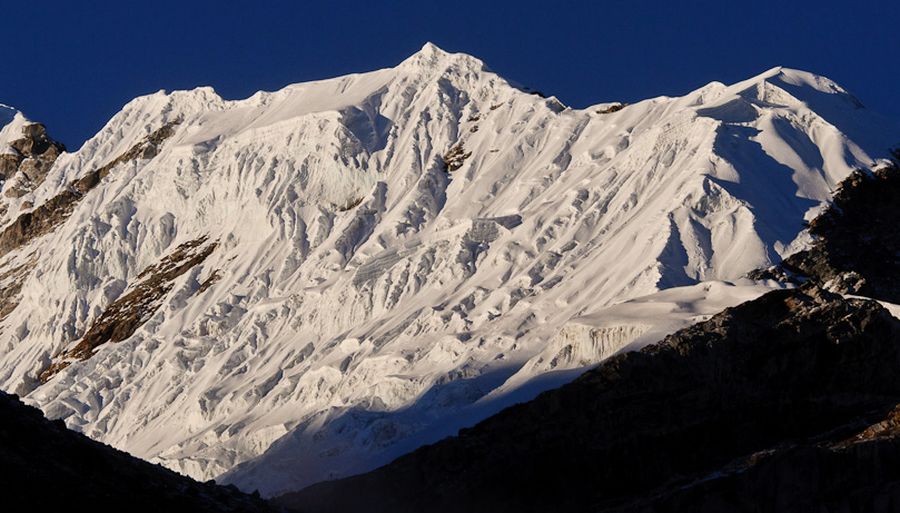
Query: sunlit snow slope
{"points": [[337, 271]]}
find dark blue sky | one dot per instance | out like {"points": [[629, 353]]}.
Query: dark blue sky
{"points": [[73, 66]]}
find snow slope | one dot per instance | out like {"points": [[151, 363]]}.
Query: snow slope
{"points": [[631, 325], [371, 280], [450, 406]]}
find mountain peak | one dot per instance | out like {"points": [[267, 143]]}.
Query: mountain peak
{"points": [[430, 48], [797, 81], [431, 56]]}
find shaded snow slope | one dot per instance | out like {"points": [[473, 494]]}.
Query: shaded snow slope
{"points": [[578, 346], [633, 324], [738, 413], [387, 249]]}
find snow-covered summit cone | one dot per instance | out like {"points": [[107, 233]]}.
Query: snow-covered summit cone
{"points": [[344, 266]]}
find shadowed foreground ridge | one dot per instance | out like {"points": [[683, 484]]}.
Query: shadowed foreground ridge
{"points": [[784, 403], [856, 246], [49, 467]]}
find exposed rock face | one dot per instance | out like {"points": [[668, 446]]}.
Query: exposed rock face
{"points": [[45, 218], [856, 250], [456, 156], [611, 107], [49, 467], [30, 160], [128, 313], [38, 152], [754, 410]]}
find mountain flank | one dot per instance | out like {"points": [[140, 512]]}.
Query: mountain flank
{"points": [[789, 402]]}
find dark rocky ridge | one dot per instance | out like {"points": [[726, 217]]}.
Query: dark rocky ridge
{"points": [[727, 415], [861, 473], [455, 157], [857, 246], [46, 467]]}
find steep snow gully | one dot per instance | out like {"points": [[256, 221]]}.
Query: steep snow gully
{"points": [[310, 282]]}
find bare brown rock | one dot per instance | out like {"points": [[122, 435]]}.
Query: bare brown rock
{"points": [[36, 153], [46, 217], [455, 157], [128, 313], [213, 278], [614, 107], [9, 165]]}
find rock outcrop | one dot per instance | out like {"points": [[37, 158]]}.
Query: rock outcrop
{"points": [[46, 217], [28, 160], [857, 242], [128, 313]]}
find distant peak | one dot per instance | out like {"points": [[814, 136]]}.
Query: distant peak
{"points": [[798, 78], [803, 86], [430, 48], [429, 55], [432, 56], [773, 71]]}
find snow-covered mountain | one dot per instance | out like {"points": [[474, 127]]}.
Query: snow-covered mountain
{"points": [[307, 283]]}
